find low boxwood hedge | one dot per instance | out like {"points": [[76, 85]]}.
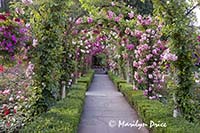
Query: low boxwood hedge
{"points": [[153, 110], [65, 116], [86, 78], [116, 80]]}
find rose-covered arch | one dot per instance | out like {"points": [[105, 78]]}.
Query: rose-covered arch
{"points": [[130, 41], [58, 45]]}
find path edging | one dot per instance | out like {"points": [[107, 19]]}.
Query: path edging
{"points": [[152, 110], [65, 115]]}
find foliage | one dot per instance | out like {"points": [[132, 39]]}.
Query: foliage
{"points": [[15, 38], [86, 78], [65, 35], [50, 56], [132, 37], [15, 95], [65, 115], [176, 20], [16, 99], [150, 53]]}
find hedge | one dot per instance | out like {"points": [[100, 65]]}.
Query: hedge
{"points": [[116, 80], [86, 78], [65, 115], [153, 110]]}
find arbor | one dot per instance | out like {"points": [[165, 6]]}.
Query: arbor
{"points": [[176, 17]]}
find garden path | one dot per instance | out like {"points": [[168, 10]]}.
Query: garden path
{"points": [[105, 107]]}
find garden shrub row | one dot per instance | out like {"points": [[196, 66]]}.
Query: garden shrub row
{"points": [[65, 116], [86, 78], [116, 80], [153, 110]]}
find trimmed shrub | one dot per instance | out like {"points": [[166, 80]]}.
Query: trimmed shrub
{"points": [[87, 78], [116, 80], [153, 110], [65, 115]]}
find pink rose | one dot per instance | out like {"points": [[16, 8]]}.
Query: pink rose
{"points": [[131, 15], [90, 20]]}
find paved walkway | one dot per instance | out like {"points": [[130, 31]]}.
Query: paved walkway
{"points": [[105, 109]]}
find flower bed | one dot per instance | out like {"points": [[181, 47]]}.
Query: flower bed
{"points": [[15, 99], [153, 110]]}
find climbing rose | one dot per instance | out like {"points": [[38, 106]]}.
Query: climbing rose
{"points": [[135, 88], [128, 31], [130, 47], [29, 70], [112, 3], [1, 69], [167, 56], [131, 15], [6, 111], [198, 38], [35, 42], [79, 21], [138, 33], [6, 92], [3, 16], [145, 92], [8, 124], [27, 2], [139, 17], [11, 99], [117, 19], [19, 10], [110, 14], [90, 20], [135, 64]]}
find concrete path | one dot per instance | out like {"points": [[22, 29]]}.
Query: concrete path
{"points": [[107, 111]]}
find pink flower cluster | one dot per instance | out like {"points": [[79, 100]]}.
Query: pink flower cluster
{"points": [[29, 70], [149, 54], [90, 20], [27, 2], [79, 21], [14, 36], [138, 33], [112, 15], [1, 69], [131, 15], [14, 96], [19, 10], [130, 46], [167, 56], [144, 21], [198, 38]]}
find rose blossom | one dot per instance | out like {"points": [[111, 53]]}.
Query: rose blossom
{"points": [[131, 15], [27, 2], [130, 46], [90, 20], [110, 14], [79, 21], [35, 42], [198, 38]]}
